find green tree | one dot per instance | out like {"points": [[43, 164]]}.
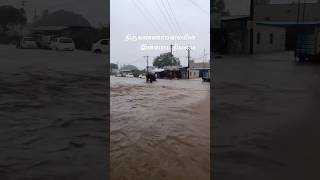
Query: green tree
{"points": [[11, 15], [166, 59], [218, 6], [137, 72], [62, 18]]}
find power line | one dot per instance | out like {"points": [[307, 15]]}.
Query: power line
{"points": [[169, 16], [203, 10], [165, 17], [174, 16], [146, 17], [151, 16]]}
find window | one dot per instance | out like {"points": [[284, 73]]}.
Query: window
{"points": [[258, 37], [194, 73], [271, 38]]}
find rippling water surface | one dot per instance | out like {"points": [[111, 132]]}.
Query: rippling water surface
{"points": [[160, 130]]}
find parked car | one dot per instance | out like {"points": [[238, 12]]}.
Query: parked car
{"points": [[27, 43], [118, 75], [129, 75], [44, 41], [308, 45], [206, 76], [142, 76], [101, 46], [62, 44]]}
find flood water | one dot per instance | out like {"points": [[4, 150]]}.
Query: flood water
{"points": [[160, 130]]}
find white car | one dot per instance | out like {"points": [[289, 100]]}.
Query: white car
{"points": [[63, 44], [27, 43], [102, 46], [142, 76], [129, 75]]}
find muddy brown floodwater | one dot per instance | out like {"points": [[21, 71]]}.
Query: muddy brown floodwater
{"points": [[160, 130]]}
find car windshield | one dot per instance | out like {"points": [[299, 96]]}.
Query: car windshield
{"points": [[28, 39], [66, 40]]}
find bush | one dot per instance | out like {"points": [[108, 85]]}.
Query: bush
{"points": [[137, 72]]}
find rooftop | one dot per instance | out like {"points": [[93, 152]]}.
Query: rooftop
{"points": [[288, 23]]}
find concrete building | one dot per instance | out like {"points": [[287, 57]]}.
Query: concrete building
{"points": [[233, 36], [268, 38], [289, 16], [197, 70], [271, 26], [269, 10]]}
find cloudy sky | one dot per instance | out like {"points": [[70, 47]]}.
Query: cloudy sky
{"points": [[96, 11], [158, 17], [241, 7]]}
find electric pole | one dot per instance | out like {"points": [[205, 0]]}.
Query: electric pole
{"points": [[252, 5], [147, 63], [171, 46], [188, 61], [35, 17], [23, 3], [204, 57], [304, 10], [299, 8]]}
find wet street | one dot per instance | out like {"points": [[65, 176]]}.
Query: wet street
{"points": [[53, 115], [266, 118], [160, 131]]}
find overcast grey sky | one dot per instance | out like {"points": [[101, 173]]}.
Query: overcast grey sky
{"points": [[192, 16], [241, 7], [96, 11]]}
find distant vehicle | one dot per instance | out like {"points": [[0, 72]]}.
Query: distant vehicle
{"points": [[27, 43], [44, 41], [308, 46], [129, 75], [206, 76], [142, 76], [101, 46], [62, 44], [118, 75]]}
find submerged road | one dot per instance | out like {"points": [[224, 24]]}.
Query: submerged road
{"points": [[266, 118], [52, 115], [160, 131]]}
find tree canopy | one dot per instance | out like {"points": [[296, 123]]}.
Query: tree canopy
{"points": [[113, 66], [62, 18], [218, 6], [11, 15], [166, 59]]}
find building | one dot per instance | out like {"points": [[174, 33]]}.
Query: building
{"points": [[197, 70], [270, 27], [269, 10], [290, 17]]}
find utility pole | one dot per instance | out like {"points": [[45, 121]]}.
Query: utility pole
{"points": [[147, 63], [304, 10], [204, 57], [23, 3], [188, 62], [35, 17], [298, 30], [252, 5], [299, 8], [171, 46]]}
